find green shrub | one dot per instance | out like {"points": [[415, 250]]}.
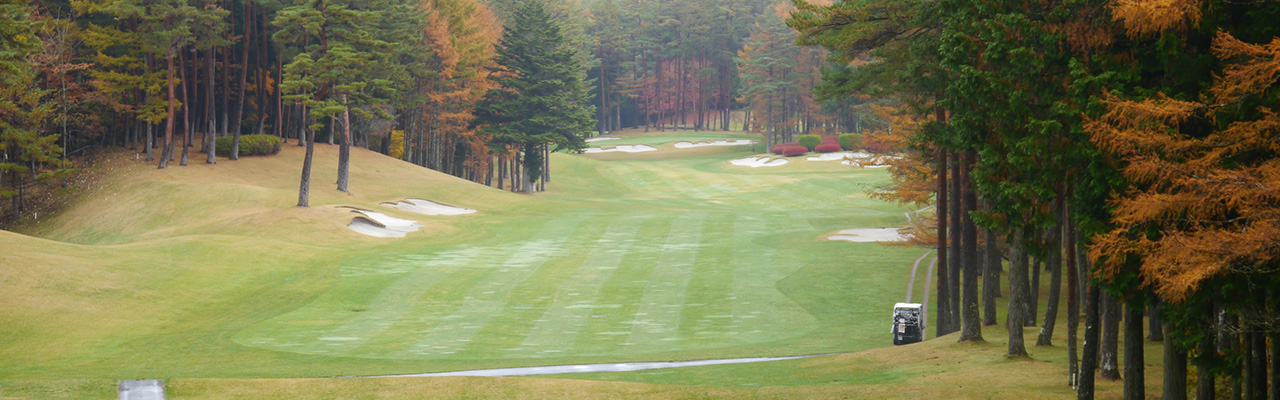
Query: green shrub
{"points": [[809, 141], [251, 145], [850, 141]]}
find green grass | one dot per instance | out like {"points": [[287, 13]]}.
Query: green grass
{"points": [[207, 276]]}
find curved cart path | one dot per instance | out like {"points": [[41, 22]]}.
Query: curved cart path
{"points": [[586, 368], [924, 309]]}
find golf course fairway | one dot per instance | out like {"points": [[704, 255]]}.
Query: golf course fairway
{"points": [[209, 277]]}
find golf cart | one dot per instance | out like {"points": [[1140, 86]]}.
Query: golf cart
{"points": [[908, 323]]}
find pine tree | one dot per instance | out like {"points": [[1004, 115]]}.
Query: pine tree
{"points": [[344, 63], [164, 28], [540, 99], [26, 156]]}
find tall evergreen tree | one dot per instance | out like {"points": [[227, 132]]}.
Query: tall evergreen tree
{"points": [[343, 64], [26, 156], [539, 102], [164, 28]]}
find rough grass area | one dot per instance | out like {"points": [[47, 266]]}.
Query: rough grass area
{"points": [[209, 277]]}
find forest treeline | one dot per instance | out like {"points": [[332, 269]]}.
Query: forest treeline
{"points": [[1124, 149], [165, 78]]}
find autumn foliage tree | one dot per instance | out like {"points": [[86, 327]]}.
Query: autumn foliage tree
{"points": [[1203, 214], [461, 35]]}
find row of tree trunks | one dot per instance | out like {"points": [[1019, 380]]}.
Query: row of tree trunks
{"points": [[199, 91]]}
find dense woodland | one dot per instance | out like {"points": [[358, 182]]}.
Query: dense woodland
{"points": [[1124, 151], [402, 77]]}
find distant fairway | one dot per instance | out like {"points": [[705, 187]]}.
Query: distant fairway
{"points": [[210, 272], [683, 258]]}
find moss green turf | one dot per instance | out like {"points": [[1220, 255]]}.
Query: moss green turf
{"points": [[209, 272]]}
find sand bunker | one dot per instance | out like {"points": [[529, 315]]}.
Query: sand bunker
{"points": [[868, 235], [759, 161], [841, 155], [625, 148], [703, 143], [377, 224], [864, 164], [602, 138], [428, 207]]}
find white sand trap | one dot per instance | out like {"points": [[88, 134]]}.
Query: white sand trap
{"points": [[872, 162], [428, 207], [377, 224], [602, 138], [759, 161], [865, 164], [868, 235], [625, 148], [840, 155], [703, 143]]}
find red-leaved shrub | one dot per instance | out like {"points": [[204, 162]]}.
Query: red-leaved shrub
{"points": [[831, 140], [778, 148], [794, 150], [827, 148]]}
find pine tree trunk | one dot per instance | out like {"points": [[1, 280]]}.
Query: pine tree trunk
{"points": [[940, 315], [526, 180], [1033, 303], [305, 187], [957, 249], [279, 103], [1110, 337], [1256, 365], [261, 76], [210, 135], [1054, 261], [244, 79], [1073, 298], [502, 169], [151, 141], [1017, 294], [1175, 370], [1228, 341], [1089, 358], [1155, 328], [344, 150], [989, 279], [1275, 365], [1208, 353], [972, 330], [186, 108], [304, 131], [226, 88], [1133, 356]]}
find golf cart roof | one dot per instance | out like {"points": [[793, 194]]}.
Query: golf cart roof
{"points": [[906, 305]]}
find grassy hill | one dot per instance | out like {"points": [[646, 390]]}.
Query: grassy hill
{"points": [[209, 277]]}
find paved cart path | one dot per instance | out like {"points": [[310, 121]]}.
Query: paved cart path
{"points": [[587, 368]]}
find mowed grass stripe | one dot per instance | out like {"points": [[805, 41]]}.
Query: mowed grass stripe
{"points": [[574, 300], [531, 297], [395, 309], [440, 279], [751, 283], [374, 293], [710, 277], [605, 332], [658, 318], [463, 318]]}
